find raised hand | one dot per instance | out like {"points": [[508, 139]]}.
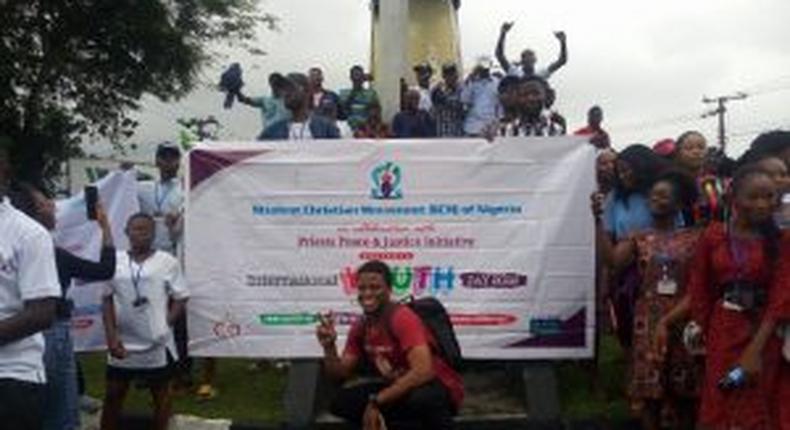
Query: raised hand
{"points": [[101, 215], [560, 35], [596, 204], [507, 26], [325, 331]]}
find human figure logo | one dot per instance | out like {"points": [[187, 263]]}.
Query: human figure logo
{"points": [[386, 179]]}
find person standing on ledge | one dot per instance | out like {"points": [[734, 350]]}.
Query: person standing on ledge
{"points": [[303, 124], [528, 57]]}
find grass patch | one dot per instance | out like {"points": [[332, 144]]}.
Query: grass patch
{"points": [[256, 396], [243, 394], [586, 397]]}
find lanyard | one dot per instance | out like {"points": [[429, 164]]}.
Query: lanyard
{"points": [[136, 277], [737, 253], [662, 241], [159, 201]]}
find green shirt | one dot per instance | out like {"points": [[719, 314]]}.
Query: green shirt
{"points": [[355, 104]]}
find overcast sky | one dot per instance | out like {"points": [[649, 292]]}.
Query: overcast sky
{"points": [[647, 63]]}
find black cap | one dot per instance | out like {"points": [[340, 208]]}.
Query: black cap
{"points": [[168, 148], [423, 66], [449, 67]]}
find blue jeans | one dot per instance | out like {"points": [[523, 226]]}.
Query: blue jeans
{"points": [[61, 400]]}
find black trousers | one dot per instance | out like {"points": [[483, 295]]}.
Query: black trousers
{"points": [[20, 405], [184, 364], [427, 406]]}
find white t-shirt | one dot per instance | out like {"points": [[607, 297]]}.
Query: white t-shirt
{"points": [[143, 328], [300, 131], [517, 71], [344, 129], [426, 103], [159, 198], [27, 272]]}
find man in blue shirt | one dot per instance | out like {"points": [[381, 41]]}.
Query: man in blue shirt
{"points": [[302, 125], [272, 107], [412, 121]]}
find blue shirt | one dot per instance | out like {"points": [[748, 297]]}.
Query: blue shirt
{"points": [[419, 124], [483, 100], [621, 219]]}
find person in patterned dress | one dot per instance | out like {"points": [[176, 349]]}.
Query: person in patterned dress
{"points": [[662, 385]]}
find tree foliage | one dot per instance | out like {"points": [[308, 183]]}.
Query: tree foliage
{"points": [[77, 68]]}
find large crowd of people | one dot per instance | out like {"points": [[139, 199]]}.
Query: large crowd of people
{"points": [[515, 100], [692, 270], [693, 265]]}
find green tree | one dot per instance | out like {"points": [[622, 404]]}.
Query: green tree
{"points": [[73, 69]]}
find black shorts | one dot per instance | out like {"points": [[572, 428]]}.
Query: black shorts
{"points": [[151, 375], [20, 404]]}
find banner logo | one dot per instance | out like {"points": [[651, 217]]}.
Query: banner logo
{"points": [[386, 181]]}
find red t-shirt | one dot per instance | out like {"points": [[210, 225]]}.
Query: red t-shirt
{"points": [[598, 138], [390, 355]]}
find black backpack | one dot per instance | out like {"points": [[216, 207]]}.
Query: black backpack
{"points": [[434, 315]]}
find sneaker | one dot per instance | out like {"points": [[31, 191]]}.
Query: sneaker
{"points": [[206, 392], [90, 405]]}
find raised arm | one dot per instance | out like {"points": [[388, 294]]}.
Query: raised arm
{"points": [[563, 58], [249, 101], [500, 46], [88, 270], [337, 367]]}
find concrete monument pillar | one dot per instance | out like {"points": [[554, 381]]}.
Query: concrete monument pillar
{"points": [[409, 32]]}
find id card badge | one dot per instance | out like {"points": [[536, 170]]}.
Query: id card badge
{"points": [[732, 306], [140, 302], [667, 287]]}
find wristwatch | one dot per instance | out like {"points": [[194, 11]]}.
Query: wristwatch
{"points": [[374, 399]]}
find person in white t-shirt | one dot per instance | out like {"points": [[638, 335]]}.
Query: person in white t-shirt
{"points": [[164, 199], [526, 68], [423, 73], [29, 291], [140, 305]]}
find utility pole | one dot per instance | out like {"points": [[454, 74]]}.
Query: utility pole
{"points": [[720, 110]]}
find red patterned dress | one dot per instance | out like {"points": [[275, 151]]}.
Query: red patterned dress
{"points": [[663, 260], [728, 332], [782, 311]]}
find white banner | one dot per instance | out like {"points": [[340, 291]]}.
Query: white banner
{"points": [[85, 171], [501, 233], [76, 234]]}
